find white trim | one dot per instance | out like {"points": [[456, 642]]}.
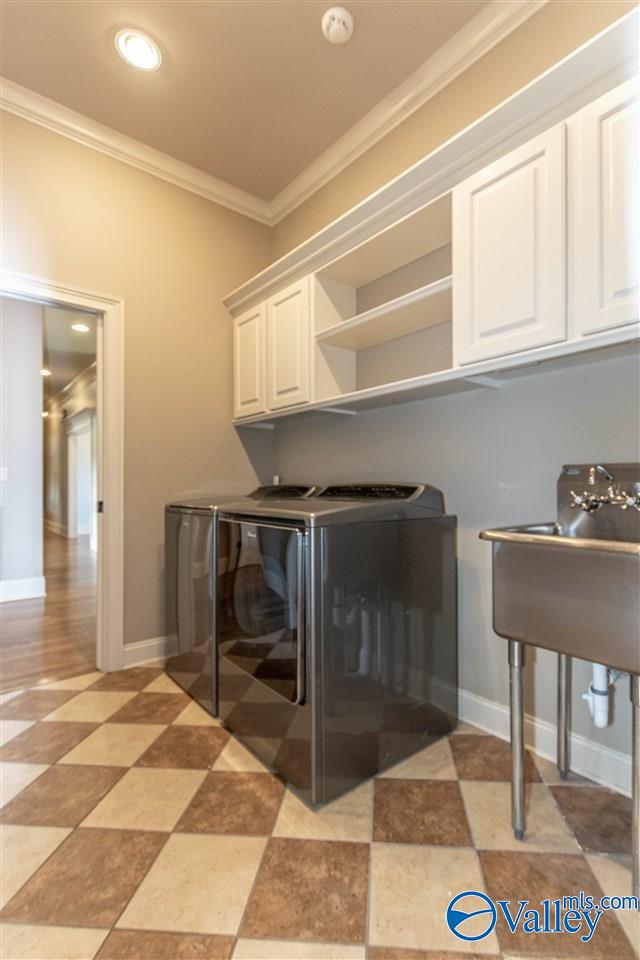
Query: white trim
{"points": [[599, 65], [110, 428], [26, 589], [53, 526], [601, 764], [154, 648], [496, 21], [59, 119]]}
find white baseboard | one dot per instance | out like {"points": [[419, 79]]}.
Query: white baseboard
{"points": [[25, 589], [154, 648], [589, 759], [54, 527]]}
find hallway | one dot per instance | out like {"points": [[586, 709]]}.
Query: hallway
{"points": [[55, 636]]}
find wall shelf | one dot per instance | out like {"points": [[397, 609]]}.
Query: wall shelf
{"points": [[416, 310]]}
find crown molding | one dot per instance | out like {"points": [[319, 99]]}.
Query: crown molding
{"points": [[476, 38], [484, 31], [54, 116]]}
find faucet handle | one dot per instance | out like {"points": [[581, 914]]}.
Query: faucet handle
{"points": [[627, 500], [582, 500]]}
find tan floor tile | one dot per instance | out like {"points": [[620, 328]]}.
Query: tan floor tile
{"points": [[143, 945], [46, 742], [614, 876], [115, 744], [402, 953], [14, 777], [24, 849], [348, 818], [62, 796], [23, 942], [75, 683], [88, 880], [9, 695], [420, 811], [488, 808], [13, 728], [189, 748], [91, 707], [198, 884], [133, 678], [435, 762], [35, 704], [146, 799], [296, 950], [193, 715], [548, 770], [411, 887], [163, 684], [238, 758], [237, 803], [309, 890]]}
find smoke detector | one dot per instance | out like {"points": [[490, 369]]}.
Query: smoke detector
{"points": [[337, 25]]}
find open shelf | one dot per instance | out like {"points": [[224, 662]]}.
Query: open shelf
{"points": [[416, 310]]}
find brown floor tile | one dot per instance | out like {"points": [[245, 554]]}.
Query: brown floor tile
{"points": [[310, 890], [151, 708], [136, 678], [46, 742], [420, 811], [600, 818], [195, 748], [479, 757], [88, 880], [62, 796], [234, 803], [140, 945], [400, 953], [35, 704], [249, 719], [540, 876]]}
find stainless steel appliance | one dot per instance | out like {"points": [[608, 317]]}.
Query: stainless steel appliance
{"points": [[336, 625], [571, 586], [190, 585]]}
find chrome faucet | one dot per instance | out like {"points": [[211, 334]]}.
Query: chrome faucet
{"points": [[613, 497]]}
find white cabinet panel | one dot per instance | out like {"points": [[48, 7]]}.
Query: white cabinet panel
{"points": [[249, 362], [604, 211], [288, 347], [509, 252]]}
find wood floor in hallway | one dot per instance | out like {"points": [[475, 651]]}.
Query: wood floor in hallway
{"points": [[52, 637]]}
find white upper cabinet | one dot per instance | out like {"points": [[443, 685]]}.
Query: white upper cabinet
{"points": [[604, 212], [249, 362], [509, 252], [288, 346]]}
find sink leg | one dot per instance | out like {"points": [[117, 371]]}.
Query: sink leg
{"points": [[635, 784], [564, 709], [516, 665]]}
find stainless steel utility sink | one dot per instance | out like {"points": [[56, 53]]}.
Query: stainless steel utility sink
{"points": [[575, 595]]}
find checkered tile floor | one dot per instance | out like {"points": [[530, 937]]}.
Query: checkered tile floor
{"points": [[134, 826]]}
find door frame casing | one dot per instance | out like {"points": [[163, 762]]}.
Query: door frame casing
{"points": [[110, 449]]}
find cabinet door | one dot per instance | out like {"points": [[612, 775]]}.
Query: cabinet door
{"points": [[604, 171], [509, 252], [288, 348], [249, 362]]}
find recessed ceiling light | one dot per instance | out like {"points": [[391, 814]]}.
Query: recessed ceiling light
{"points": [[138, 50], [45, 414], [80, 327], [45, 372]]}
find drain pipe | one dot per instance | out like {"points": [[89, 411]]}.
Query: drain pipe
{"points": [[597, 696]]}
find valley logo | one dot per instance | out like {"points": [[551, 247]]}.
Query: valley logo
{"points": [[473, 916]]}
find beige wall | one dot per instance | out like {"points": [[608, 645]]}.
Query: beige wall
{"points": [[21, 441], [79, 218], [81, 395], [548, 36]]}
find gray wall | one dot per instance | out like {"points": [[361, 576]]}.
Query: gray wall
{"points": [[496, 454], [21, 433]]}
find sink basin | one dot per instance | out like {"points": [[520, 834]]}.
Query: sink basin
{"points": [[576, 595]]}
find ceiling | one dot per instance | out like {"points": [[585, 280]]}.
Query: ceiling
{"points": [[248, 91], [65, 352]]}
